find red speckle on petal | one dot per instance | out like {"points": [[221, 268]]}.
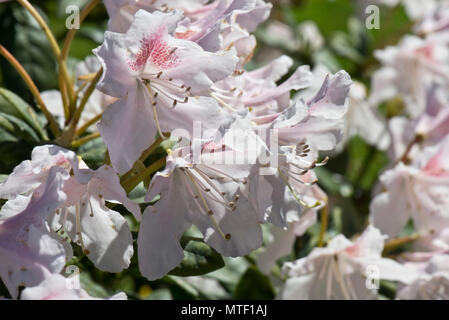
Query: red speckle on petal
{"points": [[155, 51]]}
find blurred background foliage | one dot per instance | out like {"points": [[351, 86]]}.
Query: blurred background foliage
{"points": [[349, 178]]}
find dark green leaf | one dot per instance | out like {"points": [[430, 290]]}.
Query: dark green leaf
{"points": [[254, 286], [199, 258], [18, 127], [12, 104], [23, 37]]}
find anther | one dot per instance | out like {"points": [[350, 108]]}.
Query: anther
{"points": [[228, 236]]}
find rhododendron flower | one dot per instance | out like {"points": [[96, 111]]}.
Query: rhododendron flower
{"points": [[202, 193], [56, 287], [340, 270], [157, 78], [121, 12], [297, 223], [428, 128], [29, 252], [30, 174], [290, 187], [257, 90], [303, 129], [409, 68], [432, 281], [102, 233], [418, 192], [319, 120]]}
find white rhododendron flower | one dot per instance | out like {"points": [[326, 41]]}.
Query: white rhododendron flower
{"points": [[29, 252], [102, 233], [409, 68], [431, 283], [418, 192], [56, 288], [205, 193], [340, 270], [255, 158], [153, 75]]}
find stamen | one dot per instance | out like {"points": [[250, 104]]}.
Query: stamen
{"points": [[208, 210], [153, 106], [78, 225], [299, 200], [224, 104]]}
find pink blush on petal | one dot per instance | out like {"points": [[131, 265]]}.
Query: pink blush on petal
{"points": [[435, 166]]}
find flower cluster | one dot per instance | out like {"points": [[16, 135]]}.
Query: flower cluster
{"points": [[413, 192], [234, 154], [241, 151]]}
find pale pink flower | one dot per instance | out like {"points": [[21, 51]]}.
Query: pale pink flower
{"points": [[29, 252], [431, 283], [340, 270], [202, 193], [57, 287], [419, 192], [157, 78], [102, 232], [409, 68]]}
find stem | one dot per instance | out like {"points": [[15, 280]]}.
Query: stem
{"points": [[151, 149], [397, 243], [85, 126], [418, 138], [138, 165], [54, 46], [86, 97], [70, 133], [324, 220], [64, 97], [71, 34], [33, 89], [132, 182], [85, 139]]}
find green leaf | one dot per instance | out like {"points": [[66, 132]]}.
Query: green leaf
{"points": [[323, 12], [12, 104], [18, 127], [181, 289], [3, 177], [93, 153], [254, 285], [199, 258], [92, 288], [23, 37]]}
